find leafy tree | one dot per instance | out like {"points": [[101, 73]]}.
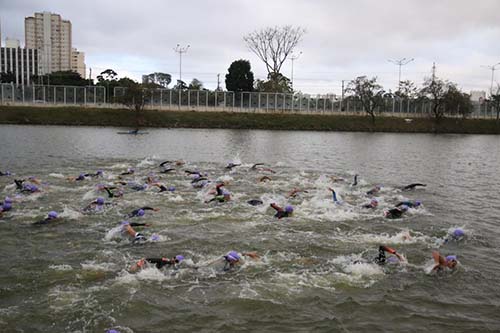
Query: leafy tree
{"points": [[495, 101], [195, 85], [369, 92], [160, 79], [273, 45], [435, 89], [108, 79], [107, 75], [181, 85], [407, 90], [239, 76], [276, 83], [7, 77], [135, 97], [62, 78], [457, 102]]}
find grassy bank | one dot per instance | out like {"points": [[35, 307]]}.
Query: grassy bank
{"points": [[190, 119]]}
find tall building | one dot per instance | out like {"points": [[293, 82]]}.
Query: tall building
{"points": [[51, 35], [21, 63], [78, 62]]}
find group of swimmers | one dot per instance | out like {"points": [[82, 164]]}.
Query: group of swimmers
{"points": [[220, 195]]}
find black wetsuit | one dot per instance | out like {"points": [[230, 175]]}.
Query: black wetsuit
{"points": [[110, 193], [189, 172], [135, 211], [231, 166], [255, 202], [19, 183], [165, 162], [127, 173], [44, 221], [163, 188], [410, 204], [161, 262], [381, 256], [4, 173], [199, 179], [412, 186], [394, 213], [133, 224], [167, 170], [355, 180]]}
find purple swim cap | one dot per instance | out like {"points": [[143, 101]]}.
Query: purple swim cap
{"points": [[418, 203], [171, 188], [7, 200], [233, 256], [33, 188], [225, 192], [6, 206], [155, 238], [100, 201], [131, 170], [52, 215], [99, 172], [123, 223], [179, 258], [289, 209], [112, 331], [404, 207], [458, 233], [450, 258], [393, 260], [140, 212], [374, 201]]}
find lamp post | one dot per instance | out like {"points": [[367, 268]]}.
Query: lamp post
{"points": [[179, 49], [493, 68], [294, 57], [400, 62]]}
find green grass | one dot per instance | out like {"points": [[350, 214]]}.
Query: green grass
{"points": [[189, 119]]}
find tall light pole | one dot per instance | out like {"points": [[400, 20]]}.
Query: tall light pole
{"points": [[179, 49], [401, 62], [294, 57], [493, 68]]}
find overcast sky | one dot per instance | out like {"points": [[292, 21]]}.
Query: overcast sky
{"points": [[344, 39]]}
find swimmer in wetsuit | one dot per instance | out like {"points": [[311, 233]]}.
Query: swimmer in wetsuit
{"points": [[412, 186], [295, 192], [141, 211], [97, 205], [441, 262], [163, 188], [222, 195], [280, 212], [381, 258], [334, 195], [52, 216], [135, 236], [158, 262], [6, 205], [265, 179], [355, 180], [260, 167], [396, 213], [111, 193], [255, 202], [233, 258], [6, 173], [130, 171], [410, 204], [374, 190], [373, 204]]}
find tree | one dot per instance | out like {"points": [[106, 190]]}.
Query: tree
{"points": [[107, 75], [457, 102], [495, 101], [160, 79], [276, 83], [435, 90], [7, 77], [239, 76], [181, 85], [62, 78], [273, 45], [369, 92], [407, 90], [195, 85]]}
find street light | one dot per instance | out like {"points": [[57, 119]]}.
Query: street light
{"points": [[493, 68], [179, 49], [293, 58], [401, 62]]}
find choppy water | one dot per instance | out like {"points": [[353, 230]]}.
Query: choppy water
{"points": [[72, 275]]}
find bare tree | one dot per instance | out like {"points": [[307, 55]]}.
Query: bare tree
{"points": [[369, 92], [274, 44], [495, 102]]}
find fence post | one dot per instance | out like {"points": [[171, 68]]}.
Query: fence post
{"points": [[2, 91]]}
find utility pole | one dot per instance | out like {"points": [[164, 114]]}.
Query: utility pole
{"points": [[90, 76], [218, 82], [179, 49], [493, 68], [293, 58], [433, 72], [400, 62], [342, 97]]}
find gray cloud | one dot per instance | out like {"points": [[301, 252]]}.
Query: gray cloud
{"points": [[343, 40]]}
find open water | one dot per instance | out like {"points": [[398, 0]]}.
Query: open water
{"points": [[315, 271]]}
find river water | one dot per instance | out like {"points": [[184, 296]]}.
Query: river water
{"points": [[314, 271]]}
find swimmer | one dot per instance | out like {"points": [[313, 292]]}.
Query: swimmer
{"points": [[222, 195], [396, 213], [135, 236], [412, 186], [410, 204], [191, 173], [141, 211], [280, 212], [197, 178], [199, 182], [52, 216], [96, 205], [441, 262], [6, 173], [456, 235], [231, 165], [295, 192], [336, 179], [265, 179], [167, 170], [259, 167], [233, 258], [374, 190], [6, 205], [381, 258], [334, 195], [84, 176], [255, 202], [30, 188], [111, 193], [373, 204], [163, 188], [355, 180], [159, 262], [134, 185], [130, 171]]}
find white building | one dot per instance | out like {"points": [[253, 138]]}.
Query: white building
{"points": [[78, 62], [477, 95], [13, 43], [51, 35], [21, 62]]}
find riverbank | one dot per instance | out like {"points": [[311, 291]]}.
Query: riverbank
{"points": [[77, 116]]}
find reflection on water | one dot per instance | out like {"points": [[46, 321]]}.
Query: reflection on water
{"points": [[315, 271]]}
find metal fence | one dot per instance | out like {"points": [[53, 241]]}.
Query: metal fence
{"points": [[41, 94], [203, 100]]}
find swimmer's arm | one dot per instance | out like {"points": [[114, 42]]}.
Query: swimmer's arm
{"points": [[276, 207], [135, 224], [252, 254]]}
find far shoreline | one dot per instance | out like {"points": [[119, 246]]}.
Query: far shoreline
{"points": [[106, 117]]}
